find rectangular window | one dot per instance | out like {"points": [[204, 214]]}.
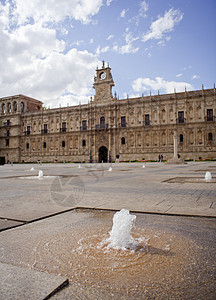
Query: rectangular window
{"points": [[84, 125], [210, 115], [123, 121], [28, 131], [7, 142], [147, 119], [180, 117], [64, 128], [45, 128]]}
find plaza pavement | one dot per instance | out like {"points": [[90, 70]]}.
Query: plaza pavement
{"points": [[24, 199]]}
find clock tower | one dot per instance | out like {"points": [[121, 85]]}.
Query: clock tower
{"points": [[103, 83]]}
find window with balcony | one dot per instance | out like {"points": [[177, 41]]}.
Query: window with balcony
{"points": [[209, 117], [123, 121], [84, 125], [102, 122], [28, 130], [45, 130], [181, 118], [64, 127]]}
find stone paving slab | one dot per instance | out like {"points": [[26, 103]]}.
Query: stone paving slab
{"points": [[128, 185], [4, 223], [19, 283]]}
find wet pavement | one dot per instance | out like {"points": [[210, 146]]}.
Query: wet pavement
{"points": [[58, 225]]}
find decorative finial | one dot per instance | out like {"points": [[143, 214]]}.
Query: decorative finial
{"points": [[202, 87], [103, 64]]}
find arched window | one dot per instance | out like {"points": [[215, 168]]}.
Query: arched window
{"points": [[84, 143], [22, 107], [44, 145], [181, 138], [63, 144], [210, 136], [9, 107], [27, 145], [3, 108], [15, 106], [123, 141], [102, 122]]}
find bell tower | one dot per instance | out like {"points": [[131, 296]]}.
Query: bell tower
{"points": [[103, 83]]}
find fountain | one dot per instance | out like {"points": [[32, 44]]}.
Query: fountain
{"points": [[40, 174], [156, 258], [208, 176], [32, 169], [110, 169], [143, 166], [79, 167], [120, 237]]}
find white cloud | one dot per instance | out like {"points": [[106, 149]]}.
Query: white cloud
{"points": [[141, 13], [56, 11], [34, 60], [102, 50], [111, 36], [144, 84], [195, 76], [128, 47], [163, 25], [143, 8], [123, 13], [109, 2], [78, 42], [179, 75]]}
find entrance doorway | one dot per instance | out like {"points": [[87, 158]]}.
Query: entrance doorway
{"points": [[103, 154]]}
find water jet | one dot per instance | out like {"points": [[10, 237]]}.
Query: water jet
{"points": [[208, 176]]}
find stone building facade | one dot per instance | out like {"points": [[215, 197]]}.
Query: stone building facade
{"points": [[108, 128]]}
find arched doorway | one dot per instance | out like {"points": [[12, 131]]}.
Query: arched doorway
{"points": [[103, 154]]}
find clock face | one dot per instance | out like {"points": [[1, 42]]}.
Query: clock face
{"points": [[102, 75]]}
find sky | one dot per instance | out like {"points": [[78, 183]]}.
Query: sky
{"points": [[50, 49]]}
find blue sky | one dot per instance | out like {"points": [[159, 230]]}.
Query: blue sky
{"points": [[50, 48]]}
